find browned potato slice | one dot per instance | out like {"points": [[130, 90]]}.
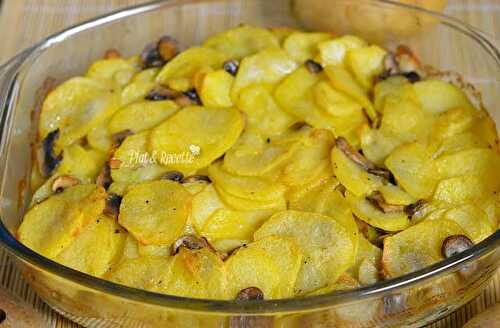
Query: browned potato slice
{"points": [[390, 221], [155, 212], [51, 226], [267, 66], [263, 115], [407, 251], [148, 273], [136, 164], [248, 187], [142, 115], [196, 273], [271, 264], [454, 121], [466, 188], [96, 248], [242, 41], [302, 46], [437, 96], [366, 63], [200, 134], [413, 168], [185, 64], [327, 248], [333, 52], [477, 161], [112, 71], [246, 204], [216, 88], [99, 137]]}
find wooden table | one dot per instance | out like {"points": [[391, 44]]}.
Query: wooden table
{"points": [[23, 22]]}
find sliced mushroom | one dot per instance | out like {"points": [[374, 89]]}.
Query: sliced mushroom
{"points": [[64, 181], [394, 304], [173, 175], [407, 59], [194, 242], [416, 207], [402, 63], [113, 202], [313, 67], [377, 200], [362, 161], [455, 244], [195, 178], [231, 66], [119, 137], [161, 93], [104, 178], [250, 294], [188, 98], [49, 160], [156, 54], [369, 232]]}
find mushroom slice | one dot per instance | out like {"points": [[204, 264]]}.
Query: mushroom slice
{"points": [[64, 181], [378, 201], [49, 160], [455, 244], [191, 242], [113, 202]]}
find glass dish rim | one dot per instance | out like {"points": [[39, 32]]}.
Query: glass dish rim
{"points": [[217, 307]]}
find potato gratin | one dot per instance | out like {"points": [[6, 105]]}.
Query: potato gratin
{"points": [[263, 164]]}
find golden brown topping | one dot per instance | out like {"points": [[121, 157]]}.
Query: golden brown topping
{"points": [[156, 54], [167, 48], [64, 181], [111, 54]]}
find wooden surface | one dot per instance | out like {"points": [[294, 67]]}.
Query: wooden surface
{"points": [[23, 22]]}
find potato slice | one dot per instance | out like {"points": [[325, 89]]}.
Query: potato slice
{"points": [[196, 273], [355, 178], [216, 88], [404, 120], [266, 66], [203, 134], [263, 115], [454, 121], [242, 41], [96, 249], [467, 188], [246, 204], [203, 205], [75, 107], [377, 144], [363, 209], [462, 141], [343, 81], [325, 244], [478, 161], [395, 195], [285, 257], [49, 227], [142, 115], [347, 115], [296, 96], [407, 251], [112, 71], [302, 46], [135, 91], [333, 52], [367, 265], [394, 87], [99, 137], [344, 282], [252, 155], [136, 163], [148, 273], [247, 187], [155, 212], [185, 64], [225, 224], [437, 96], [413, 169], [312, 153], [366, 63]]}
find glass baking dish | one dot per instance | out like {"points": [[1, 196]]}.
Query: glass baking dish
{"points": [[412, 300]]}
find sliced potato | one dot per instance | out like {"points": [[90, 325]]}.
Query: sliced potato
{"points": [[395, 195], [155, 213], [437, 96], [394, 87], [185, 64], [285, 257], [99, 137], [226, 224], [333, 52], [135, 91], [254, 188], [142, 115], [404, 120], [413, 169], [407, 251], [117, 71], [148, 273], [242, 41], [49, 227], [266, 66], [363, 209], [246, 204], [216, 88], [136, 163], [344, 282], [453, 122], [367, 265], [196, 273], [355, 178], [302, 46], [201, 134], [263, 115], [295, 95], [466, 188], [203, 205], [343, 81], [478, 161], [75, 107], [325, 244], [96, 249], [366, 63]]}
